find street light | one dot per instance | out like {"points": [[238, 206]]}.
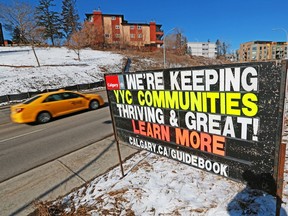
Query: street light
{"points": [[282, 29], [164, 48]]}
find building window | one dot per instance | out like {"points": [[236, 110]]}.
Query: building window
{"points": [[107, 36], [90, 19], [132, 35], [131, 27], [117, 27], [139, 35], [139, 27], [113, 18], [117, 35]]}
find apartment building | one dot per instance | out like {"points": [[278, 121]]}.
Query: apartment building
{"points": [[1, 36], [262, 51], [205, 49], [113, 29]]}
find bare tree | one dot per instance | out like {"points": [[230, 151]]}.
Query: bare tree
{"points": [[36, 36], [177, 42], [76, 43], [225, 48], [93, 37], [222, 48], [86, 37], [20, 15], [180, 43], [218, 47], [17, 15]]}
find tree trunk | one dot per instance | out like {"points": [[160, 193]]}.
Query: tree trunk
{"points": [[33, 48], [52, 41], [78, 53]]}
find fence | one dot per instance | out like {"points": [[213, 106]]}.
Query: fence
{"points": [[23, 96]]}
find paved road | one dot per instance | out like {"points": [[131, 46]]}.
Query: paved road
{"points": [[29, 168], [23, 147], [59, 177]]}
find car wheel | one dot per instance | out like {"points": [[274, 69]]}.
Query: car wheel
{"points": [[94, 104], [43, 117]]}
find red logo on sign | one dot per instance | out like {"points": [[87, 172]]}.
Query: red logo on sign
{"points": [[112, 82]]}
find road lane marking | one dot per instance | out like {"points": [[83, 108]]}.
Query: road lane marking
{"points": [[15, 137]]}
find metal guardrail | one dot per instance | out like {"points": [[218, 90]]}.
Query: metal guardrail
{"points": [[26, 95]]}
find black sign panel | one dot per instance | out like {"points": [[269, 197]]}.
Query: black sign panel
{"points": [[225, 119]]}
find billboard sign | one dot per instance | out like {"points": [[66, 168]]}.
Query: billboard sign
{"points": [[224, 119]]}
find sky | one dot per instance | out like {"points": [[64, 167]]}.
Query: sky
{"points": [[231, 21]]}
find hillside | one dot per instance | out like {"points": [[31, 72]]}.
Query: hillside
{"points": [[59, 67], [154, 60]]}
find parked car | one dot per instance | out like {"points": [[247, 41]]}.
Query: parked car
{"points": [[43, 107]]}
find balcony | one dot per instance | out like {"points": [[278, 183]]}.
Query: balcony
{"points": [[159, 32]]}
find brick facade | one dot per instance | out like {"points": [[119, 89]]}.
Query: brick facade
{"points": [[115, 30], [262, 51]]}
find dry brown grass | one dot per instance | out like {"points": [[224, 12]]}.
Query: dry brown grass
{"points": [[172, 60]]}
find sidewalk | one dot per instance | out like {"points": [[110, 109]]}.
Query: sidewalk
{"points": [[59, 177]]}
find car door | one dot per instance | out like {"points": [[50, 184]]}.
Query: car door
{"points": [[74, 102], [55, 104]]}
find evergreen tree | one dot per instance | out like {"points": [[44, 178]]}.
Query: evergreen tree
{"points": [[49, 20], [18, 37], [18, 19], [70, 18]]}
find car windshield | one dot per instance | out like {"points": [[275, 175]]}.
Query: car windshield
{"points": [[31, 99]]}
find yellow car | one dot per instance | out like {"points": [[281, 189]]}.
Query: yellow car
{"points": [[43, 107]]}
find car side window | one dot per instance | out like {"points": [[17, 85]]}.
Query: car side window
{"points": [[54, 97], [70, 95], [30, 100]]}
